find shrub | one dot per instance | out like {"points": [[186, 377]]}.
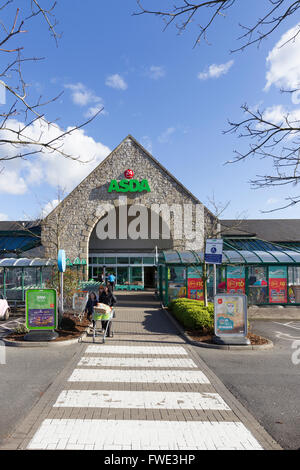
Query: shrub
{"points": [[193, 315], [21, 329]]}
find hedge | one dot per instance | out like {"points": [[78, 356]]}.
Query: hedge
{"points": [[193, 315]]}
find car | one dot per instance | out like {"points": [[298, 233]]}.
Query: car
{"points": [[4, 309]]}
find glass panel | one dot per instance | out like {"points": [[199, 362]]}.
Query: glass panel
{"points": [[177, 282], [258, 285], [267, 257], [136, 260], [277, 284], [195, 283], [221, 280], [123, 260], [236, 279], [172, 257], [200, 255], [294, 284], [111, 260], [188, 257], [1, 281], [294, 255], [100, 260], [136, 276], [122, 275], [235, 257], [30, 279], [148, 260]]}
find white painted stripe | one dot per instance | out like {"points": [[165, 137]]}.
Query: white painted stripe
{"points": [[146, 350], [140, 376], [136, 362], [135, 435], [141, 400]]}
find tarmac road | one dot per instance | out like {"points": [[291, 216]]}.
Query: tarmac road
{"points": [[25, 376], [266, 382]]}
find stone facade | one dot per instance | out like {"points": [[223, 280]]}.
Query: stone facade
{"points": [[70, 225]]}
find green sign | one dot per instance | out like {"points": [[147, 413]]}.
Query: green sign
{"points": [[41, 309], [132, 186]]}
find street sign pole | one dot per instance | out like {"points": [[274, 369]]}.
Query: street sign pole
{"points": [[61, 264]]}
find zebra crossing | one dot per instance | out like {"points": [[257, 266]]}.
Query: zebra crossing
{"points": [[140, 397]]}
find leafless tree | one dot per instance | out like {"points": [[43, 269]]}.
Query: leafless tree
{"points": [[184, 13], [275, 140], [16, 138]]}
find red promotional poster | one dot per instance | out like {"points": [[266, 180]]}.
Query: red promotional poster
{"points": [[195, 284], [278, 290], [195, 289], [277, 284]]}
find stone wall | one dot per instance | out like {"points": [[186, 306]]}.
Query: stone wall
{"points": [[72, 222]]}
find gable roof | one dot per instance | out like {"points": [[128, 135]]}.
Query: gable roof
{"points": [[273, 230], [156, 162]]}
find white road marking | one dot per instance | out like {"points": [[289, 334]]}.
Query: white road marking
{"points": [[140, 376], [146, 350], [170, 363], [141, 400], [135, 435], [289, 324]]}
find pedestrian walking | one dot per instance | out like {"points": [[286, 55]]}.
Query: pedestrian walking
{"points": [[106, 297], [112, 279], [89, 308]]}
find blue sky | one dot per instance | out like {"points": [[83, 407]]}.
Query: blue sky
{"points": [[173, 98]]}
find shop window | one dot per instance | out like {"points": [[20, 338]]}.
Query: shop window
{"points": [[235, 279], [136, 275], [148, 260], [258, 285], [294, 284], [176, 282], [111, 260], [123, 260], [277, 284], [136, 260], [122, 275]]}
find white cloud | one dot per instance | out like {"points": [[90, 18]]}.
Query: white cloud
{"points": [[156, 71], [11, 182], [18, 175], [116, 81], [283, 64], [215, 71], [165, 136], [92, 110], [81, 95], [3, 217], [277, 114], [49, 207]]}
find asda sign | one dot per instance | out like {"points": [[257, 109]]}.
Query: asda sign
{"points": [[126, 185]]}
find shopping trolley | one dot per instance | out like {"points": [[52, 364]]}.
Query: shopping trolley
{"points": [[79, 303], [99, 316]]}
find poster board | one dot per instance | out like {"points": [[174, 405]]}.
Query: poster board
{"points": [[41, 309], [230, 315]]}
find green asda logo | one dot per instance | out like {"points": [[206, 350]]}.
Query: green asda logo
{"points": [[132, 186]]}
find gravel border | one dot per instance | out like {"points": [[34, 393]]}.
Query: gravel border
{"points": [[253, 347]]}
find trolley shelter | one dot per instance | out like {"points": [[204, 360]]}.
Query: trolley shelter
{"points": [[268, 274]]}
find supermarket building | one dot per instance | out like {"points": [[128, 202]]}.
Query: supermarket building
{"points": [[131, 217]]}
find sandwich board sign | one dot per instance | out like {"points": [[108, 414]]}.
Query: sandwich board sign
{"points": [[230, 318], [41, 309], [213, 251]]}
